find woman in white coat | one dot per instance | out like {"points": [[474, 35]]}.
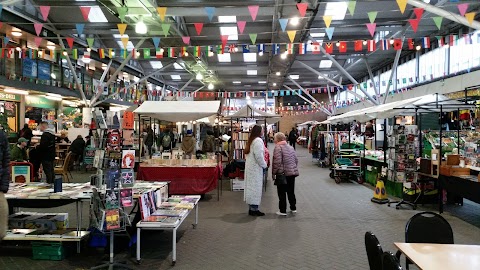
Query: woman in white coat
{"points": [[254, 165]]}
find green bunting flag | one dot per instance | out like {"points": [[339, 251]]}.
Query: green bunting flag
{"points": [[146, 53]]}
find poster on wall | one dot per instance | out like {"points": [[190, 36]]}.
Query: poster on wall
{"points": [[44, 70], [21, 174], [29, 68], [128, 120]]}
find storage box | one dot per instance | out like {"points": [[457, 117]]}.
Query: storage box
{"points": [[449, 170], [52, 251], [238, 184], [34, 220], [453, 159]]}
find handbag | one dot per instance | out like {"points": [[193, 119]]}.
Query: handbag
{"points": [[281, 178]]}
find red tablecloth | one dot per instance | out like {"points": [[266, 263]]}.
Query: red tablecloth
{"points": [[183, 180]]}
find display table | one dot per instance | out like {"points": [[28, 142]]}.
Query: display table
{"points": [[183, 180], [467, 187], [441, 256]]}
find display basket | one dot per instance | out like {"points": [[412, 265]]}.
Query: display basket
{"points": [[344, 162]]}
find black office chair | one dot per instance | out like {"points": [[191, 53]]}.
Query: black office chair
{"points": [[427, 227], [390, 262], [374, 251]]}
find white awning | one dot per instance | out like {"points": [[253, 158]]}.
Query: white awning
{"points": [[178, 111], [250, 112]]}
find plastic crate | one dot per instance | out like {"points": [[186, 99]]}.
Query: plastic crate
{"points": [[344, 161], [52, 251]]}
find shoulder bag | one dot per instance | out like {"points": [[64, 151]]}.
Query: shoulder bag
{"points": [[281, 178]]}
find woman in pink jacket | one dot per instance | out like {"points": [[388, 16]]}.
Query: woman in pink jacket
{"points": [[285, 161]]}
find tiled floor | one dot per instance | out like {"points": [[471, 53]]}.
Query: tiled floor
{"points": [[327, 232]]}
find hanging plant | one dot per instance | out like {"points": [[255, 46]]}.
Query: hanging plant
{"points": [[4, 123]]}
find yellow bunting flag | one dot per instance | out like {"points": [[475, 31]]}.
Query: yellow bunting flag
{"points": [[121, 28], [161, 12], [470, 16], [402, 4], [291, 35], [328, 20], [125, 42]]}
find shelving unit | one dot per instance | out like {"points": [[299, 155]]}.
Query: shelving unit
{"points": [[239, 141]]}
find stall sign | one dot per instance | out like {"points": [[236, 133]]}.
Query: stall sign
{"points": [[39, 102], [10, 97]]}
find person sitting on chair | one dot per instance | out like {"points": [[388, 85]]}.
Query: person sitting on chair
{"points": [[19, 151], [77, 147]]}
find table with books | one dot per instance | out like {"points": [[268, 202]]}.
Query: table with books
{"points": [[165, 215], [186, 176]]}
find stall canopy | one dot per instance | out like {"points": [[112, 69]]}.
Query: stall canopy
{"points": [[308, 123], [178, 111], [250, 112]]}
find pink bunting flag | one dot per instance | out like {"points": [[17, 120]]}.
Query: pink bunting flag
{"points": [[414, 24], [38, 41], [38, 28], [253, 11], [302, 8], [224, 39], [418, 12], [371, 28], [44, 10], [85, 12], [186, 40], [198, 27], [241, 26], [462, 8], [70, 42]]}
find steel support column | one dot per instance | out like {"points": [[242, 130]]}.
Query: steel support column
{"points": [[125, 61], [303, 90], [185, 85], [370, 73], [100, 84], [394, 71], [302, 97]]}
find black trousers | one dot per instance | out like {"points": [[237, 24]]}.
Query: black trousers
{"points": [[49, 170], [285, 191], [292, 143]]}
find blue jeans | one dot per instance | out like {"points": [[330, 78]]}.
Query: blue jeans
{"points": [[253, 207]]}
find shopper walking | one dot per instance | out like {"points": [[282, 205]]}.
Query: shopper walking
{"points": [[188, 144], [292, 137], [149, 140], [284, 171], [4, 182], [254, 168], [46, 151]]}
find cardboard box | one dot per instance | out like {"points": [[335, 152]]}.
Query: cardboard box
{"points": [[449, 170], [453, 160]]}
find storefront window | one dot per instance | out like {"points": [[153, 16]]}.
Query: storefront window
{"points": [[40, 109]]}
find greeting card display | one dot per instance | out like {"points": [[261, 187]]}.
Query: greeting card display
{"points": [[128, 119], [126, 178], [113, 120], [128, 159], [111, 199], [113, 140], [112, 178], [128, 137], [112, 218], [126, 197]]}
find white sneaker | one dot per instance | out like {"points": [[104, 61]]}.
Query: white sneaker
{"points": [[293, 211], [281, 214]]}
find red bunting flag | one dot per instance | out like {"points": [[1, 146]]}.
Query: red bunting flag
{"points": [[302, 8], [316, 48], [371, 45], [358, 45], [198, 27], [343, 47], [397, 44], [414, 24], [329, 48], [253, 11], [69, 42], [411, 44], [418, 13], [85, 12], [44, 10]]}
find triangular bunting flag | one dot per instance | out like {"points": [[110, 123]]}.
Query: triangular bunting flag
{"points": [[162, 11], [156, 42], [351, 7], [283, 24], [80, 27], [470, 16], [69, 42], [253, 38], [291, 35], [418, 12], [186, 39], [38, 41], [462, 8], [38, 28], [402, 4], [414, 24], [372, 15], [125, 42], [329, 32], [85, 12], [121, 28], [224, 39], [198, 27], [166, 28], [241, 26], [302, 8], [253, 11], [371, 28], [44, 10], [210, 12], [122, 11], [90, 42], [438, 21], [328, 20]]}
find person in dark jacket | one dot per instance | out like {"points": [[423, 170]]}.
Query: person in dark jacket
{"points": [[46, 150], [26, 133], [292, 137], [4, 182], [19, 151], [77, 147], [149, 140], [285, 161], [209, 142]]}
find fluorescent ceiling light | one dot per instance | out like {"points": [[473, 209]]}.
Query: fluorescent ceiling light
{"points": [[224, 58], [316, 35], [176, 77], [96, 15], [230, 31], [294, 77], [53, 98], [336, 9], [177, 66], [156, 64], [325, 64], [236, 82], [262, 82], [250, 57], [227, 19], [252, 72], [53, 95], [324, 76], [118, 36]]}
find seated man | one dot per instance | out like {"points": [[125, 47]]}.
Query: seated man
{"points": [[77, 147], [19, 151]]}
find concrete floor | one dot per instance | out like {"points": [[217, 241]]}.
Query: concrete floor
{"points": [[326, 233]]}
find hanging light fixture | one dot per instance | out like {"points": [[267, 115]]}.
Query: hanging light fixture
{"points": [[210, 86], [141, 27], [199, 76]]}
